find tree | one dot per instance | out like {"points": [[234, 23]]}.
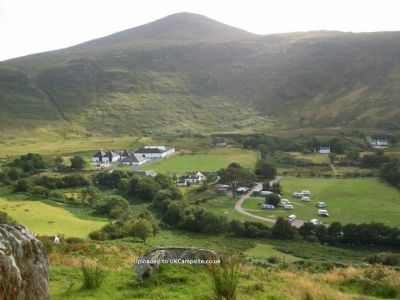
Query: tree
{"points": [[266, 170], [263, 151], [282, 229], [235, 173], [22, 185], [272, 199], [142, 229], [332, 157], [77, 162], [115, 207], [335, 231], [58, 162]]}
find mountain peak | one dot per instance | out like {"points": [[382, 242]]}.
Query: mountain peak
{"points": [[183, 27]]}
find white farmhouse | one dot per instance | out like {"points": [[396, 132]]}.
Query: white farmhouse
{"points": [[105, 157], [379, 142], [155, 151], [191, 178], [325, 150]]}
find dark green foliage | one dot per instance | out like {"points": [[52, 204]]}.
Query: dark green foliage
{"points": [[77, 162], [29, 163], [388, 259], [112, 179], [390, 172], [40, 191], [282, 229], [234, 173], [22, 185], [265, 169], [68, 181], [273, 199], [115, 207]]}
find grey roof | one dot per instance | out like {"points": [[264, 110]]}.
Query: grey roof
{"points": [[133, 157], [99, 154], [151, 150]]}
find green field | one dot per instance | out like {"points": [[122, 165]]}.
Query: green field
{"points": [[348, 200], [224, 205], [46, 219], [212, 160]]}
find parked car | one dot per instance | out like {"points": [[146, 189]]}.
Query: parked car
{"points": [[267, 206], [306, 193], [297, 195], [305, 199], [291, 218], [285, 201], [323, 213], [314, 221], [288, 206], [321, 204]]}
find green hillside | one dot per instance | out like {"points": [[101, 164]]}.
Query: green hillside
{"points": [[189, 73]]}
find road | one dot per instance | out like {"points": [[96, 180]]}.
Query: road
{"points": [[258, 186]]}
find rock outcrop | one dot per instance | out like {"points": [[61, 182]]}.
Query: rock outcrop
{"points": [[146, 265], [24, 266]]}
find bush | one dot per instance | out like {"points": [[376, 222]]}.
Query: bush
{"points": [[40, 192], [225, 278], [388, 259], [92, 276]]}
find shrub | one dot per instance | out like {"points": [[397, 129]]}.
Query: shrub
{"points": [[388, 259], [225, 278], [40, 191], [92, 276]]}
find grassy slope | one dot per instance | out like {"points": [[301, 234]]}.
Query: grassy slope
{"points": [[348, 200], [301, 80], [47, 219]]}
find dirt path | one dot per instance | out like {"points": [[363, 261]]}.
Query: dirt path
{"points": [[258, 186]]}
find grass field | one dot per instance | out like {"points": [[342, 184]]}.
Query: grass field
{"points": [[224, 205], [348, 200], [212, 160], [46, 219], [316, 158]]}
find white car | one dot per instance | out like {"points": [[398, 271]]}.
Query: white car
{"points": [[323, 213], [321, 204], [267, 206], [297, 195], [305, 199], [288, 206], [314, 221], [306, 193], [291, 218], [285, 201]]}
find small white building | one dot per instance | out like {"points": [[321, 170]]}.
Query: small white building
{"points": [[379, 142], [105, 157], [325, 150], [191, 178], [155, 151]]}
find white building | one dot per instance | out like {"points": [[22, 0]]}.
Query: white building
{"points": [[190, 179], [105, 157], [379, 142], [155, 151], [133, 159], [325, 150]]}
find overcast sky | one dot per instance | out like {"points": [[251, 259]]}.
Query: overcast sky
{"points": [[31, 26]]}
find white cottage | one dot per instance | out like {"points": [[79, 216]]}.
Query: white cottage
{"points": [[155, 151]]}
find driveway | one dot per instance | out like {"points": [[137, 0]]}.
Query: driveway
{"points": [[258, 186]]}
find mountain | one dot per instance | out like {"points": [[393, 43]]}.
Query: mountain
{"points": [[188, 73]]}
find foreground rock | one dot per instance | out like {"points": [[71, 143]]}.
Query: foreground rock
{"points": [[146, 265], [24, 267]]}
